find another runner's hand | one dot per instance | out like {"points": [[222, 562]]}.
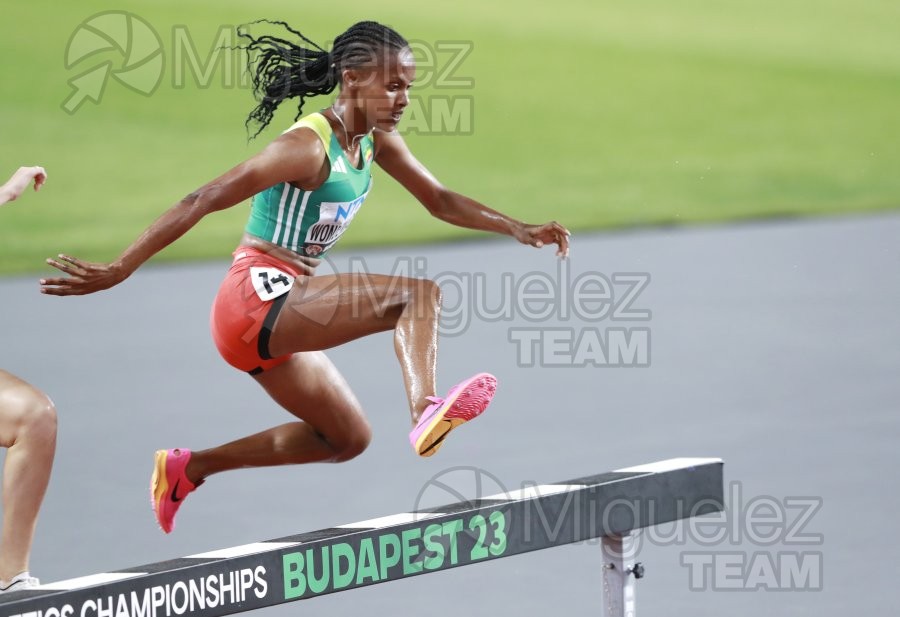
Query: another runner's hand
{"points": [[20, 180], [548, 233], [84, 277]]}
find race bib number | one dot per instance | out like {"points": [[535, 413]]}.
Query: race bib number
{"points": [[270, 283]]}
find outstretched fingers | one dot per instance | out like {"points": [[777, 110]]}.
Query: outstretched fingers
{"points": [[69, 265], [82, 277], [65, 286]]}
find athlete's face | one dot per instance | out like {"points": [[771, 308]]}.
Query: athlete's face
{"points": [[382, 93]]}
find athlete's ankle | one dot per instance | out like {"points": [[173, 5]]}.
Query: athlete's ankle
{"points": [[194, 470], [420, 408], [9, 574]]}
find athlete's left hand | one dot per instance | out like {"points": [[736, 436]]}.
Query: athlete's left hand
{"points": [[84, 277], [548, 233]]}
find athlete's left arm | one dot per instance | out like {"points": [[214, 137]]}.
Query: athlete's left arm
{"points": [[394, 156]]}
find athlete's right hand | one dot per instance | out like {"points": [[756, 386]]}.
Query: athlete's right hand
{"points": [[83, 277]]}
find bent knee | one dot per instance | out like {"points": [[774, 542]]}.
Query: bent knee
{"points": [[430, 291], [353, 445], [25, 410], [42, 417]]}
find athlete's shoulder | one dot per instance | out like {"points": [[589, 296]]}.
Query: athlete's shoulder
{"points": [[388, 142], [301, 153], [306, 137], [312, 124]]}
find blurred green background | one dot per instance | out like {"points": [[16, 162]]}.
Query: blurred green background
{"points": [[592, 112]]}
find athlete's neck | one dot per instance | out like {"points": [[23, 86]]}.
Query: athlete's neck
{"points": [[351, 128]]}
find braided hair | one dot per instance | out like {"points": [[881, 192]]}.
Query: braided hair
{"points": [[282, 69]]}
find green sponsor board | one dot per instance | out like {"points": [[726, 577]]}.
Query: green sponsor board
{"points": [[387, 556]]}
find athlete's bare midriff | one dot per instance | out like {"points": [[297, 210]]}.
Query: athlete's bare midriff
{"points": [[303, 264]]}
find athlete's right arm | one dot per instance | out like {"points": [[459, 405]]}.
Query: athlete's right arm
{"points": [[297, 157]]}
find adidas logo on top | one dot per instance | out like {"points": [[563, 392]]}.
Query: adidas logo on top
{"points": [[339, 166]]}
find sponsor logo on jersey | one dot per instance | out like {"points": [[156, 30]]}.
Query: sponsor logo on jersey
{"points": [[334, 218]]}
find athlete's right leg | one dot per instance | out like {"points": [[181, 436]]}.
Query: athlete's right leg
{"points": [[28, 430], [326, 311], [321, 312]]}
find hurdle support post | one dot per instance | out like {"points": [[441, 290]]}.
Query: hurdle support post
{"points": [[619, 574]]}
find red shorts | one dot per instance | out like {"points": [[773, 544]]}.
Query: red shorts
{"points": [[246, 307]]}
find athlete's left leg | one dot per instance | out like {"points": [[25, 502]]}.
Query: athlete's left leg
{"points": [[332, 427], [28, 430]]}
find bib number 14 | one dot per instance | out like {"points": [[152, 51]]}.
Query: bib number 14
{"points": [[270, 283]]}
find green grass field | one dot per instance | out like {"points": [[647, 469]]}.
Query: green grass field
{"points": [[592, 112]]}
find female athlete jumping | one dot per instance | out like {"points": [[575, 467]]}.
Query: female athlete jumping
{"points": [[272, 317]]}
